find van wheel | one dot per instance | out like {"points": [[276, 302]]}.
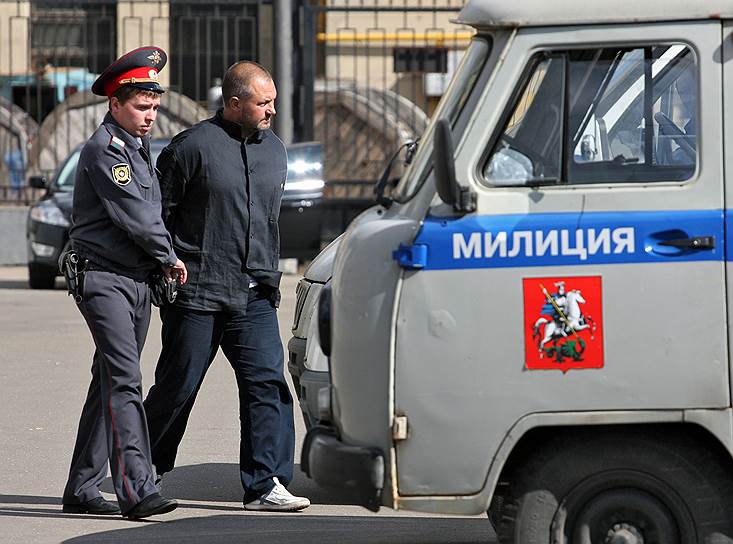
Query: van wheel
{"points": [[618, 488], [41, 277]]}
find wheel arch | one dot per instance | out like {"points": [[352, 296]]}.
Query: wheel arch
{"points": [[711, 429]]}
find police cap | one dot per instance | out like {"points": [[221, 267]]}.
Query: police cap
{"points": [[138, 68]]}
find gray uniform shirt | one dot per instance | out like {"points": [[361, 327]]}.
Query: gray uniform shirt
{"points": [[116, 216]]}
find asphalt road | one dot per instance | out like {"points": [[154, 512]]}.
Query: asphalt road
{"points": [[45, 355]]}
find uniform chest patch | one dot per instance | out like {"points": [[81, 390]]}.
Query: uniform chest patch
{"points": [[121, 174]]}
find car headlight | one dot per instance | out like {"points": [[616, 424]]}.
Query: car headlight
{"points": [[42, 250], [305, 185], [301, 167], [47, 212]]}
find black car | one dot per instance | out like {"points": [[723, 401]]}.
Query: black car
{"points": [[49, 219]]}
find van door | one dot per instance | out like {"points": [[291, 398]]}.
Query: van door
{"points": [[591, 276]]}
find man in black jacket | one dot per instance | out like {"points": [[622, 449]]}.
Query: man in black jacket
{"points": [[118, 239], [222, 181]]}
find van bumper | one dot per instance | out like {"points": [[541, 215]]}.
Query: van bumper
{"points": [[328, 461]]}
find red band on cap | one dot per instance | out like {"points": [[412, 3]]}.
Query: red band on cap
{"points": [[142, 74]]}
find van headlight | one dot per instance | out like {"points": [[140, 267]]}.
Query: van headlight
{"points": [[49, 213]]}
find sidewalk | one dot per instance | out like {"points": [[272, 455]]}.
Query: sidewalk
{"points": [[45, 355]]}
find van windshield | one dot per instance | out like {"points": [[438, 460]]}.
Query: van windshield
{"points": [[450, 107]]}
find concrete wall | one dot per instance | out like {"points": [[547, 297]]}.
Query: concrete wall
{"points": [[14, 23], [140, 24], [359, 45], [12, 235], [265, 44]]}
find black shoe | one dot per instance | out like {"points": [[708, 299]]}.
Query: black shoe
{"points": [[98, 506], [152, 505]]}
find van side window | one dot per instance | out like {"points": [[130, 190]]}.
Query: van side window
{"points": [[529, 147], [581, 118]]}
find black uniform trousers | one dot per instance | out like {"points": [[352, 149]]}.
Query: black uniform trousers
{"points": [[113, 427], [250, 340]]}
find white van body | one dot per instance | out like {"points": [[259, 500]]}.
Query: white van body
{"points": [[537, 326]]}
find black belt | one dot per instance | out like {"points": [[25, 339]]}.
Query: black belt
{"points": [[136, 276], [94, 266]]}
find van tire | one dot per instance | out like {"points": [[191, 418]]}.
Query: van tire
{"points": [[635, 485]]}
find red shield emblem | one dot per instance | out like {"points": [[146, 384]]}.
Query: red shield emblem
{"points": [[563, 323]]}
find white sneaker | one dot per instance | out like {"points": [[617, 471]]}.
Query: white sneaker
{"points": [[278, 499]]}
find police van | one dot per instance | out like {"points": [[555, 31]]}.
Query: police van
{"points": [[536, 326]]}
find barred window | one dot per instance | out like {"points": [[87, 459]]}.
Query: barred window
{"points": [[207, 38], [73, 34]]}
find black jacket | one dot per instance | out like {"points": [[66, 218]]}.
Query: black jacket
{"points": [[221, 203], [116, 221]]}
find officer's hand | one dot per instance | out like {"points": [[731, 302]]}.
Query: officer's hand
{"points": [[177, 271]]}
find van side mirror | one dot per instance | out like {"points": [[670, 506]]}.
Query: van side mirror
{"points": [[461, 198], [38, 182]]}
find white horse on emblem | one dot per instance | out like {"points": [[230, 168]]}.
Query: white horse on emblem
{"points": [[576, 320], [551, 331], [558, 328]]}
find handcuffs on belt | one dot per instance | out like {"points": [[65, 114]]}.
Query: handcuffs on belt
{"points": [[162, 291]]}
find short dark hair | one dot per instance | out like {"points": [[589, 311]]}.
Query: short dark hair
{"points": [[238, 79], [126, 92]]}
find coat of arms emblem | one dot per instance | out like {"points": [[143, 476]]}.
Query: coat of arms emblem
{"points": [[563, 323]]}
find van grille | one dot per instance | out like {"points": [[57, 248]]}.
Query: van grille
{"points": [[301, 293]]}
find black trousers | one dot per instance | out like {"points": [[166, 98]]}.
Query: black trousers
{"points": [[250, 340], [113, 428]]}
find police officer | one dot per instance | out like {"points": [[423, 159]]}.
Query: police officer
{"points": [[222, 181], [118, 239]]}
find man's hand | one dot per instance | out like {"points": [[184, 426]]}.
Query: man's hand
{"points": [[177, 271]]}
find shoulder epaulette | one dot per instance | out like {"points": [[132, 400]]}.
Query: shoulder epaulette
{"points": [[116, 143]]}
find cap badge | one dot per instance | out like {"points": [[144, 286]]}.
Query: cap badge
{"points": [[121, 174], [155, 58], [153, 74]]}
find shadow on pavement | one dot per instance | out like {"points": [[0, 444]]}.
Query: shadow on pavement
{"points": [[301, 528], [39, 507], [219, 482], [20, 281], [28, 499], [14, 284], [263, 527]]}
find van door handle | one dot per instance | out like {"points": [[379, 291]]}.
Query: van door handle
{"points": [[696, 242]]}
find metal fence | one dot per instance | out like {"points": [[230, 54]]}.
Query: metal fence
{"points": [[52, 50], [368, 73], [206, 38]]}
